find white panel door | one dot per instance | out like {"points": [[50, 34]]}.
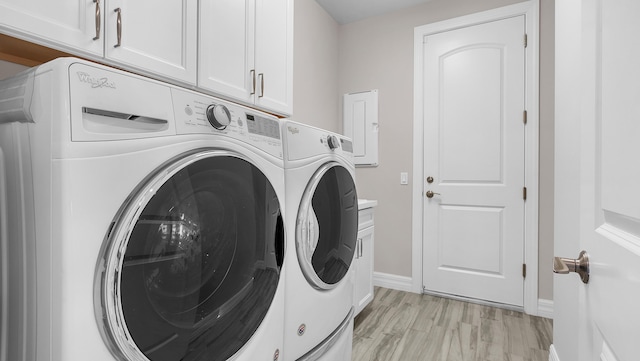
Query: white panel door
{"points": [[360, 123], [226, 48], [474, 152], [65, 24], [355, 121], [597, 177], [158, 37]]}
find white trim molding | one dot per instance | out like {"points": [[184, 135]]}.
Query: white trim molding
{"points": [[545, 308], [530, 9], [394, 282], [553, 354]]}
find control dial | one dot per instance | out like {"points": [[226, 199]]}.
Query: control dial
{"points": [[218, 115], [333, 142]]}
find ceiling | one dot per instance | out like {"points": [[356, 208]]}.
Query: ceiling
{"points": [[346, 11]]}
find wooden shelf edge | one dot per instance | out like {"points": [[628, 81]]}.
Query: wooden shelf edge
{"points": [[26, 53]]}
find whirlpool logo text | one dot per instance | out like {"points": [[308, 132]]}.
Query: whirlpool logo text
{"points": [[96, 82]]}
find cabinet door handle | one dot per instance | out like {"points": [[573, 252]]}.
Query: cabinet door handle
{"points": [[261, 75], [98, 21], [119, 27], [359, 247], [253, 79]]}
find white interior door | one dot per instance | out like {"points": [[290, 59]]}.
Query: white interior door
{"points": [[597, 176], [474, 96]]}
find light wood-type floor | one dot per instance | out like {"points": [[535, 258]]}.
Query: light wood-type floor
{"points": [[402, 326]]}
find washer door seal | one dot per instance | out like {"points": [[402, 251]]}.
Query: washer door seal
{"points": [[192, 262], [327, 226]]}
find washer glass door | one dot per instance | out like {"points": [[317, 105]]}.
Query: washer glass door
{"points": [[327, 226], [193, 260]]}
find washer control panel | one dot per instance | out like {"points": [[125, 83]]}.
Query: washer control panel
{"points": [[218, 116], [200, 114]]}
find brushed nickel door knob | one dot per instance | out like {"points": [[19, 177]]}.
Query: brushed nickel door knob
{"points": [[430, 194], [580, 266]]}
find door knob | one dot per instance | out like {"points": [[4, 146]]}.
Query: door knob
{"points": [[430, 194], [580, 266]]}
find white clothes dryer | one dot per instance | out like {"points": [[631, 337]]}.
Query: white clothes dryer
{"points": [[140, 221], [321, 223]]}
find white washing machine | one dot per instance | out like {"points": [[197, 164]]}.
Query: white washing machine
{"points": [[321, 223], [139, 222]]}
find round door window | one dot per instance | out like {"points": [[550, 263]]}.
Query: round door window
{"points": [[194, 260], [327, 226]]}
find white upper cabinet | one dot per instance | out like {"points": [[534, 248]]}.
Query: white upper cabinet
{"points": [[238, 49], [69, 25], [155, 38], [274, 55], [246, 51], [226, 59]]}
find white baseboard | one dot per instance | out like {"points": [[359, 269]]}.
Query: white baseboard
{"points": [[394, 282], [545, 308], [553, 354], [403, 283]]}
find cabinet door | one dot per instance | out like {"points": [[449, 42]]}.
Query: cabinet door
{"points": [[363, 290], [68, 25], [226, 48], [274, 55], [158, 38]]}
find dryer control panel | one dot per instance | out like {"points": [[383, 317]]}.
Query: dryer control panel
{"points": [[304, 141]]}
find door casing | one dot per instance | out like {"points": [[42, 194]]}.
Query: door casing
{"points": [[530, 9]]}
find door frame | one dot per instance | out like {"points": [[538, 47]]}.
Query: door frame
{"points": [[530, 9]]}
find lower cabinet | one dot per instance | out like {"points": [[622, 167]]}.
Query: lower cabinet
{"points": [[363, 262], [363, 289]]}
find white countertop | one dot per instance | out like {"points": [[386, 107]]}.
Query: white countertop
{"points": [[366, 203]]}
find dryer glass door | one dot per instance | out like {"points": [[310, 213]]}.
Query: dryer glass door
{"points": [[327, 226], [193, 261]]}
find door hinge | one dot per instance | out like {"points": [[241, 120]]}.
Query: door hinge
{"points": [[526, 40], [524, 117], [524, 193], [524, 270]]}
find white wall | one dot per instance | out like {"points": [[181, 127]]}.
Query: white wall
{"points": [[315, 67], [377, 53], [547, 138]]}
